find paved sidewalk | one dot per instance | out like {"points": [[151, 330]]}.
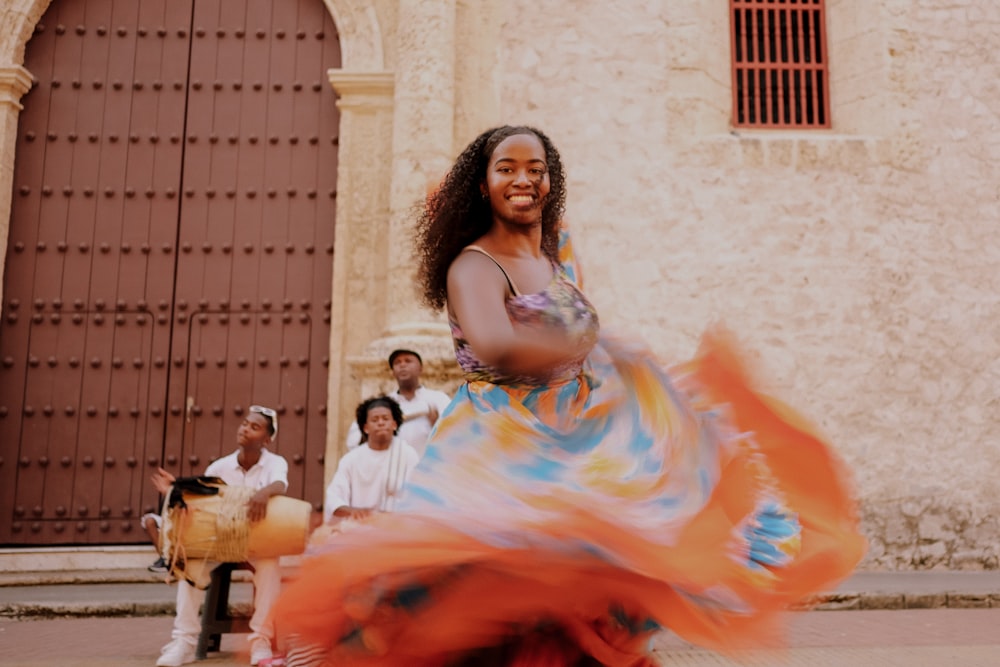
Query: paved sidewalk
{"points": [[897, 638], [140, 593]]}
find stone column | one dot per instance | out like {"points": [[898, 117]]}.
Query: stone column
{"points": [[359, 283], [423, 134], [15, 81], [478, 72], [422, 138]]}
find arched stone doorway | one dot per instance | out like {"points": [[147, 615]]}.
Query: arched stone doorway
{"points": [[170, 254]]}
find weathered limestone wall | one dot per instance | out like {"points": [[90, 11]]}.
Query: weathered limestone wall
{"points": [[477, 72], [857, 264]]}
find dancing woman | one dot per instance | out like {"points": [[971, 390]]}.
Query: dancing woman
{"points": [[575, 498]]}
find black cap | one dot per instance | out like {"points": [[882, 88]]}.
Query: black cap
{"points": [[396, 353]]}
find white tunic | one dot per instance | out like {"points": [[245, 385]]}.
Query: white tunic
{"points": [[368, 478]]}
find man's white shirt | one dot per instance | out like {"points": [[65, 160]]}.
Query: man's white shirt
{"points": [[370, 479], [269, 469]]}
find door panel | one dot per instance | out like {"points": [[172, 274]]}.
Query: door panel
{"points": [[18, 296], [38, 415], [260, 204], [170, 254], [257, 359]]}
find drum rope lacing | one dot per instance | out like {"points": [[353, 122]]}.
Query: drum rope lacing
{"points": [[232, 528]]}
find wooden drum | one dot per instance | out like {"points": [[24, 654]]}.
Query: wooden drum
{"points": [[211, 524]]}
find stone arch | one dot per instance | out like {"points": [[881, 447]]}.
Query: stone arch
{"points": [[357, 23], [361, 43], [18, 24]]}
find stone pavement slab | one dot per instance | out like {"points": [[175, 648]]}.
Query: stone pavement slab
{"points": [[914, 590], [923, 581], [139, 593], [894, 656], [149, 599], [898, 638], [881, 638], [100, 642]]}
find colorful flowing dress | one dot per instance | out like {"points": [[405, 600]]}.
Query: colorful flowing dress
{"points": [[592, 508]]}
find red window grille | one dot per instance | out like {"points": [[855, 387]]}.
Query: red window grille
{"points": [[779, 59]]}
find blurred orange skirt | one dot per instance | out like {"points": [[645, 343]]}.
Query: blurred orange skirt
{"points": [[567, 524]]}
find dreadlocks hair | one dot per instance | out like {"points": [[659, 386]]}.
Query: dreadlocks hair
{"points": [[457, 214], [361, 413]]}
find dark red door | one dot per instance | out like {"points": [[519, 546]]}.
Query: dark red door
{"points": [[170, 254]]}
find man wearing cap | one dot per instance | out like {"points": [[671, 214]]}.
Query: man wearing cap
{"points": [[421, 406]]}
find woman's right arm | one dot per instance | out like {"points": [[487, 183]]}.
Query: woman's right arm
{"points": [[477, 294]]}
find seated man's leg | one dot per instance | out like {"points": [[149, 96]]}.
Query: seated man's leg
{"points": [[151, 523], [187, 623], [187, 627], [267, 586]]}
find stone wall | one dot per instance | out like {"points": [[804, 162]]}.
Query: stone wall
{"points": [[856, 263]]}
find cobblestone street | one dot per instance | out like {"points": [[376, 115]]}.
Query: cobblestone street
{"points": [[880, 638]]}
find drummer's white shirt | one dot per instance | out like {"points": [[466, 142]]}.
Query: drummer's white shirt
{"points": [[367, 478], [269, 469]]}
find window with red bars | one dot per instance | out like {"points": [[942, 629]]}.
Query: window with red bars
{"points": [[779, 55]]}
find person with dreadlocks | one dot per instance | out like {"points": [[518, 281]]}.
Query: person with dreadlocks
{"points": [[370, 477], [575, 498]]}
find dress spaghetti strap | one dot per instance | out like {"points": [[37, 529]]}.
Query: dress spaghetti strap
{"points": [[510, 283]]}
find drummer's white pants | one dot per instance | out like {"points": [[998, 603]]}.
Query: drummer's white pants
{"points": [[267, 585]]}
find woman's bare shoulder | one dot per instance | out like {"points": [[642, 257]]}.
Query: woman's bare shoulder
{"points": [[475, 275], [472, 263]]}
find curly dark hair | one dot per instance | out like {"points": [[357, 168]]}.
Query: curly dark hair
{"points": [[457, 214], [361, 413]]}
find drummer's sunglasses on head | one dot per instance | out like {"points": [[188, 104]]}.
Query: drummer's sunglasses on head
{"points": [[271, 415]]}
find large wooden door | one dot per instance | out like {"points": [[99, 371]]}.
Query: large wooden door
{"points": [[170, 254]]}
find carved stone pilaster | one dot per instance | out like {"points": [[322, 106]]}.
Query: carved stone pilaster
{"points": [[359, 278], [15, 81], [362, 91], [374, 278], [422, 137]]}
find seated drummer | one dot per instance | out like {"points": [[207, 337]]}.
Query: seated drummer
{"points": [[254, 466]]}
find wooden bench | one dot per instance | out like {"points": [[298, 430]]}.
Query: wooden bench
{"points": [[215, 618]]}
